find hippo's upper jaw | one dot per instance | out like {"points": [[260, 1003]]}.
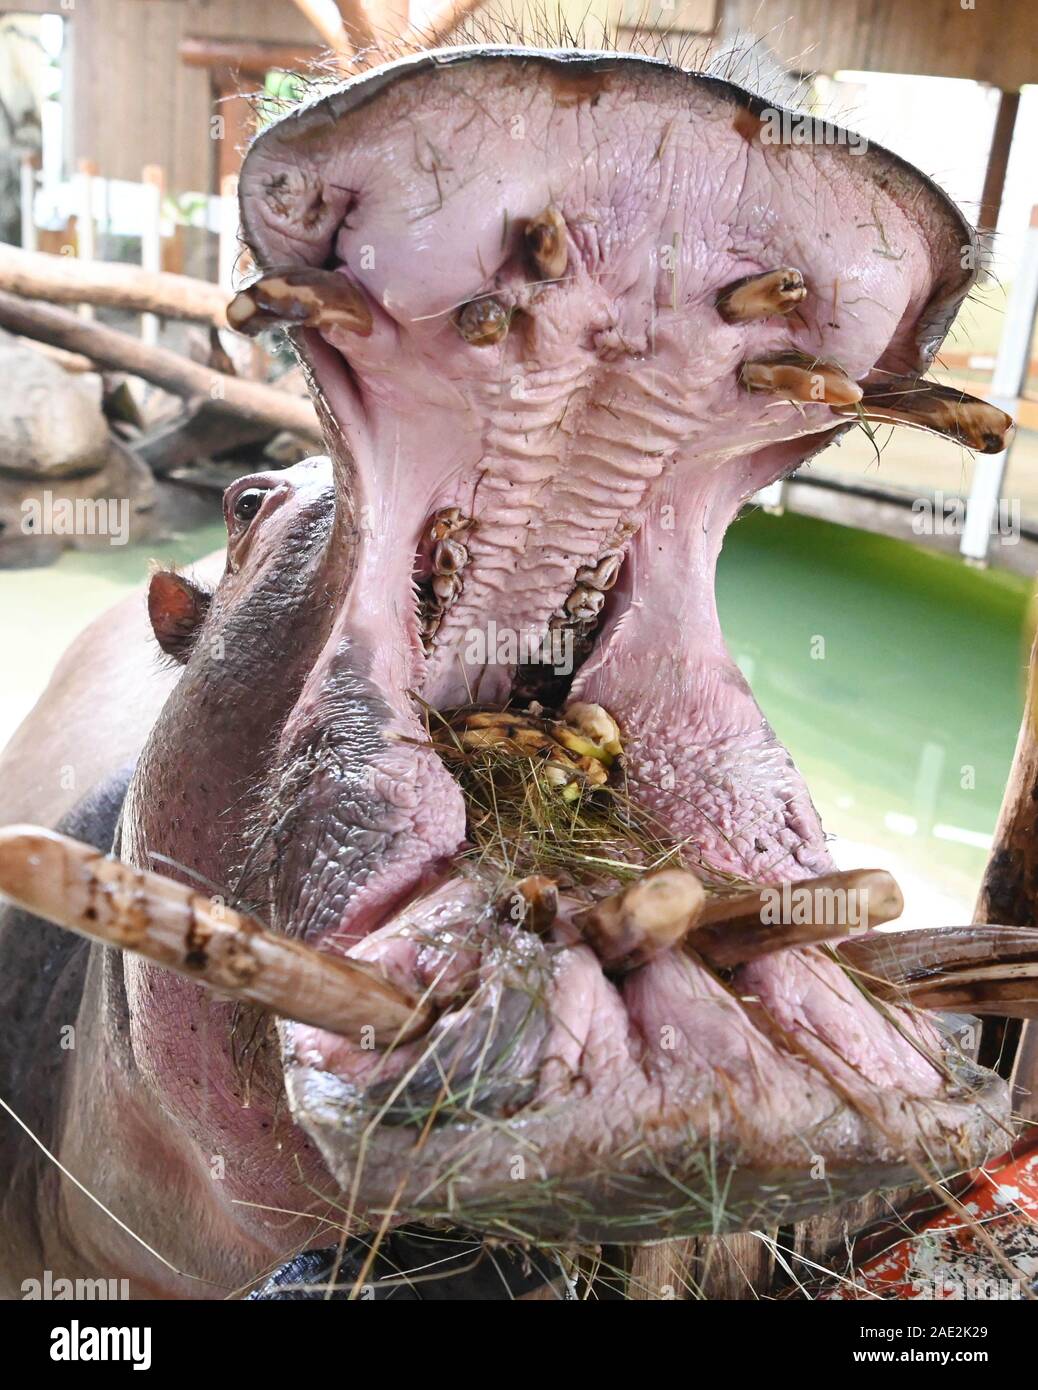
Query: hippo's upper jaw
{"points": [[564, 315]]}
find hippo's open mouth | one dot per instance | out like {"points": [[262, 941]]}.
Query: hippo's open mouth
{"points": [[565, 315]]}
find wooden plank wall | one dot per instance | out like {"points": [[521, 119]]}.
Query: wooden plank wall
{"points": [[993, 42], [133, 102]]}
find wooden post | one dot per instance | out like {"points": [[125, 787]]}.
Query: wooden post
{"points": [[29, 170], [151, 240], [1009, 895], [86, 245], [228, 234], [998, 162]]}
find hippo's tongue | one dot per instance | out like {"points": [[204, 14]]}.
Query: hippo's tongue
{"points": [[564, 315]]}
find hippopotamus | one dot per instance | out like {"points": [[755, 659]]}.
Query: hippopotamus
{"points": [[563, 314]]}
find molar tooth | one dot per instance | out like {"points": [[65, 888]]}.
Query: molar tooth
{"points": [[761, 296], [644, 919], [483, 322], [447, 522], [449, 557], [604, 575], [546, 242], [596, 725], [800, 378], [584, 603], [446, 587], [926, 405], [304, 297]]}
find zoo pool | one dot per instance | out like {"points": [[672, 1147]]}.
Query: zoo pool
{"points": [[893, 675]]}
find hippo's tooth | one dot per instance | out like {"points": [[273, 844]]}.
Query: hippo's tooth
{"points": [[73, 885], [639, 922], [533, 903], [800, 378], [761, 296], [584, 603], [447, 522], [483, 322], [736, 928], [978, 969], [939, 409], [546, 242], [303, 297]]}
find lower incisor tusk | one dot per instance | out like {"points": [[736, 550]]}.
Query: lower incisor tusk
{"points": [[795, 377], [644, 919], [73, 885], [761, 296], [737, 928], [978, 969], [926, 405]]}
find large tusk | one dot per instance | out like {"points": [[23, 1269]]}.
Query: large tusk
{"points": [[75, 886], [796, 377], [938, 409], [545, 238], [737, 928], [632, 926], [302, 297], [761, 296], [978, 969]]}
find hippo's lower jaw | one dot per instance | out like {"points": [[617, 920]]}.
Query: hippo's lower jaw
{"points": [[564, 315]]}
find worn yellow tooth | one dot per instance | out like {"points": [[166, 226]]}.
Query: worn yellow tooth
{"points": [[546, 241], [594, 728], [761, 296], [798, 378], [75, 886], [926, 405], [650, 916], [483, 322], [302, 297]]}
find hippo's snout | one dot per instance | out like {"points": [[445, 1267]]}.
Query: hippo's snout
{"points": [[564, 314]]}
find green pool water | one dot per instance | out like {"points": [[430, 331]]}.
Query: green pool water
{"points": [[893, 675]]}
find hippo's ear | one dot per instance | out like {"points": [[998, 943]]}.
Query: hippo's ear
{"points": [[176, 608]]}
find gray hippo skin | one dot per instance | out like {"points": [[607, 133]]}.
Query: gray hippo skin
{"points": [[536, 298]]}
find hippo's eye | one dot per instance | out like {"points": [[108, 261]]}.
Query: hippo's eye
{"points": [[247, 504]]}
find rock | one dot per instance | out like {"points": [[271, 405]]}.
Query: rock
{"points": [[109, 507], [51, 422]]}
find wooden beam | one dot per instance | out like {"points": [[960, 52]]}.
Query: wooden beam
{"points": [[441, 23], [108, 348], [325, 17], [359, 24], [251, 59], [998, 161], [67, 280]]}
